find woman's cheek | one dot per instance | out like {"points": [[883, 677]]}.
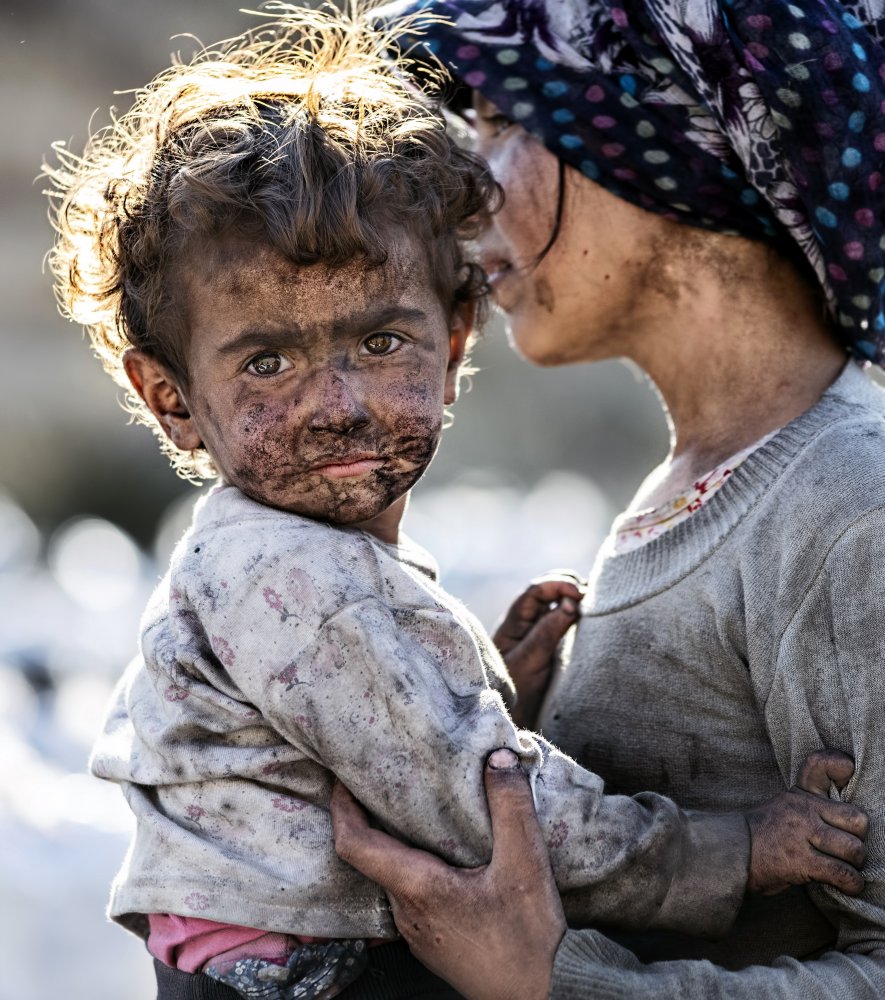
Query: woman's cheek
{"points": [[529, 176]]}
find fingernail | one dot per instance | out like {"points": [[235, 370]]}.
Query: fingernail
{"points": [[569, 605], [503, 760]]}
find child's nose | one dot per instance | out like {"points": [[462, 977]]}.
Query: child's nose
{"points": [[337, 407]]}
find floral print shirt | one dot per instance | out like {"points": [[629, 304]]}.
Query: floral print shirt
{"points": [[280, 653], [631, 530]]}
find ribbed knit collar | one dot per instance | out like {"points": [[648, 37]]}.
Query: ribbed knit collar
{"points": [[618, 581]]}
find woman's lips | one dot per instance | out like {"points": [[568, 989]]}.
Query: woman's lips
{"points": [[495, 268], [496, 278], [342, 468], [504, 286]]}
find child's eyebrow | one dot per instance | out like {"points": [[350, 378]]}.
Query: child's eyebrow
{"points": [[256, 338], [270, 338]]}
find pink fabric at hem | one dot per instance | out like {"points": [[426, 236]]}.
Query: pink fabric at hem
{"points": [[188, 943]]}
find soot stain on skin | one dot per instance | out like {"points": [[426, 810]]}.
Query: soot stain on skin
{"points": [[656, 274], [270, 453], [544, 294], [262, 429], [254, 420]]}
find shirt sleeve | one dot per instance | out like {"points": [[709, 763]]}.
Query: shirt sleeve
{"points": [[588, 966], [394, 701], [827, 691]]}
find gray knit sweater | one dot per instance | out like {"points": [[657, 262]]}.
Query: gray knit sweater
{"points": [[709, 662], [279, 653]]}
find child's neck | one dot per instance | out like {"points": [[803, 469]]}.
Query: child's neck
{"points": [[385, 526]]}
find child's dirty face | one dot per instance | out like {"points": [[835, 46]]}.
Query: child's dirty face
{"points": [[319, 390]]}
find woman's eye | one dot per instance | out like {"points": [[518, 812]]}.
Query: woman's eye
{"points": [[487, 118], [380, 344], [268, 364], [496, 124]]}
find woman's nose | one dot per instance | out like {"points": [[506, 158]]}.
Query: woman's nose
{"points": [[337, 407]]}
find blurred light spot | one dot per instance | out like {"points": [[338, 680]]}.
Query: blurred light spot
{"points": [[19, 537], [42, 797], [16, 695], [491, 537], [95, 563], [80, 706], [566, 517]]}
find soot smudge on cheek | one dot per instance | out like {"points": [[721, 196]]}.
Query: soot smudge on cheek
{"points": [[253, 419], [544, 294], [263, 446], [415, 427]]}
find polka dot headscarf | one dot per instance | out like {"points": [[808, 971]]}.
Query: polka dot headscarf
{"points": [[755, 117]]}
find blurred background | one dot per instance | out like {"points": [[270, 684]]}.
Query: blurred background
{"points": [[527, 479]]}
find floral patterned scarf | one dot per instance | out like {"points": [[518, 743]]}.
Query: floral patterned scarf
{"points": [[763, 118]]}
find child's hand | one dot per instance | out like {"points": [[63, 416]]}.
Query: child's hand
{"points": [[802, 836], [529, 634]]}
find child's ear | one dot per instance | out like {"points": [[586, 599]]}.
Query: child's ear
{"points": [[460, 329], [153, 381]]}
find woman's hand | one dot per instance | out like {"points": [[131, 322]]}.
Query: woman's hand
{"points": [[492, 932], [803, 836], [528, 637]]}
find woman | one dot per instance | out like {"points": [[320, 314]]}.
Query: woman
{"points": [[696, 186]]}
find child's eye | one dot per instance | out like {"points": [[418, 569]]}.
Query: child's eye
{"points": [[268, 364], [380, 344]]}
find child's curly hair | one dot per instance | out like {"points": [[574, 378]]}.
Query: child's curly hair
{"points": [[299, 133]]}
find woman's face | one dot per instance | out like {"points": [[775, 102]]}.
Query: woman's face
{"points": [[582, 299]]}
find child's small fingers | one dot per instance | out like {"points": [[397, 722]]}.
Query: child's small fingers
{"points": [[533, 604], [821, 768], [541, 642], [520, 617], [548, 590], [843, 815], [839, 844], [839, 874]]}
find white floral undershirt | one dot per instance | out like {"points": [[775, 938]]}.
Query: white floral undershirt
{"points": [[633, 529]]}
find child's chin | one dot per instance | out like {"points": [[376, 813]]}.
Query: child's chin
{"points": [[346, 515], [355, 507]]}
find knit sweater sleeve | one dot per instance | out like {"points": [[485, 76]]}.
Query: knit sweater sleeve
{"points": [[827, 690], [393, 698]]}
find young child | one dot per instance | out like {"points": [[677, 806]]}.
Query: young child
{"points": [[270, 250]]}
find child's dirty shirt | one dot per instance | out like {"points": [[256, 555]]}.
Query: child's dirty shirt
{"points": [[279, 653]]}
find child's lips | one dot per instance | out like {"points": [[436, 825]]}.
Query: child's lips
{"points": [[351, 465]]}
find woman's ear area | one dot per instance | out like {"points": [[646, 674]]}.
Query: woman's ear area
{"points": [[155, 384], [460, 331]]}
